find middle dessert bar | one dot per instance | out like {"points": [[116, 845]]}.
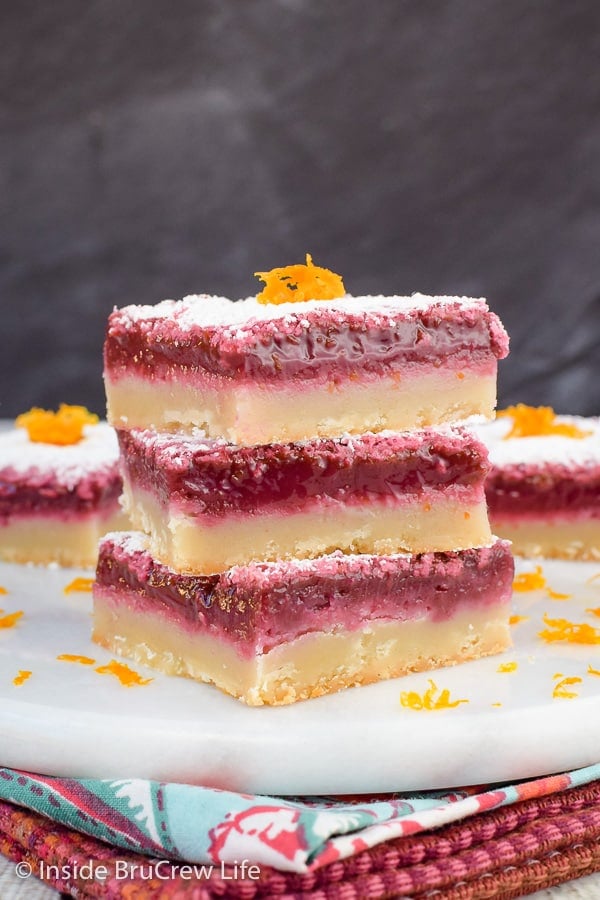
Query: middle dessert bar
{"points": [[278, 632], [208, 505]]}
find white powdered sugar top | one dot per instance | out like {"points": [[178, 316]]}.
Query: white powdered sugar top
{"points": [[130, 541], [98, 450], [552, 448], [204, 310]]}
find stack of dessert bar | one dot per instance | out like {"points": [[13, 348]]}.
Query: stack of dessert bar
{"points": [[311, 513]]}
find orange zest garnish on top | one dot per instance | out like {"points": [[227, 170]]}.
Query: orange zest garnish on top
{"points": [[10, 620], [508, 667], [63, 427], [21, 677], [83, 585], [571, 632], [294, 284], [123, 673], [429, 700], [536, 421], [515, 620], [3, 590]]}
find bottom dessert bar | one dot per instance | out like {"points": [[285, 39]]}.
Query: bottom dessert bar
{"points": [[274, 633]]}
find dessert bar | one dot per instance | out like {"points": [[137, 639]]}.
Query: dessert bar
{"points": [[56, 500], [209, 505], [255, 373], [543, 489], [274, 633]]}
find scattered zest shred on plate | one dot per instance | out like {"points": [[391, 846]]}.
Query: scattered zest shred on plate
{"points": [[21, 677], [535, 581], [11, 619], [125, 675], [83, 585], [429, 700], [529, 581], [560, 691], [595, 611], [556, 595], [592, 671], [75, 658], [3, 590], [508, 667], [514, 620], [571, 632]]}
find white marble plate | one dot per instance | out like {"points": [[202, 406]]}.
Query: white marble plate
{"points": [[67, 719]]}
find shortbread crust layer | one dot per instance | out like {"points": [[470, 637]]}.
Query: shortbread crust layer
{"points": [[44, 539], [278, 632], [254, 413], [205, 544], [309, 666], [575, 537]]}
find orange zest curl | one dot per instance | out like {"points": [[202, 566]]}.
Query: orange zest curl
{"points": [[63, 427], [22, 677], [515, 620], [537, 421], [83, 585], [535, 581], [294, 284], [529, 581], [10, 620], [123, 673], [76, 658], [429, 700], [570, 632], [560, 691]]}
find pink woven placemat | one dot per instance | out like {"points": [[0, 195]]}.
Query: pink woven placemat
{"points": [[502, 854]]}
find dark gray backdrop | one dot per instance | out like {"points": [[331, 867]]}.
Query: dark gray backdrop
{"points": [[160, 147]]}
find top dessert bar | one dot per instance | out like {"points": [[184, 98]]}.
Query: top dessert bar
{"points": [[257, 373]]}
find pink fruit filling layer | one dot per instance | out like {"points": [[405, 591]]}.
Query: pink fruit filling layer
{"points": [[39, 494], [261, 605], [214, 478], [245, 341], [528, 490]]}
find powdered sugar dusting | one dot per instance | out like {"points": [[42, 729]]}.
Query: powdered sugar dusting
{"points": [[205, 311], [97, 451], [552, 449]]}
